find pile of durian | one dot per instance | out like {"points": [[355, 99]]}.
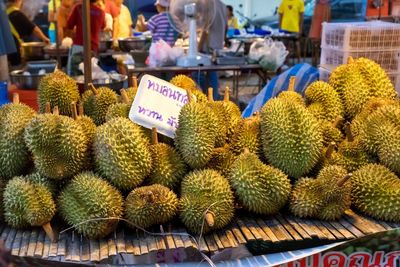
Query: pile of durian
{"points": [[315, 156]]}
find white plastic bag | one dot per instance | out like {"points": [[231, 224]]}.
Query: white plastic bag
{"points": [[97, 72], [161, 54], [268, 53]]}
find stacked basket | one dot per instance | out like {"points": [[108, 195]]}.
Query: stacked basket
{"points": [[376, 40]]}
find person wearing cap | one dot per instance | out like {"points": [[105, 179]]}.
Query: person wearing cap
{"points": [[159, 25]]}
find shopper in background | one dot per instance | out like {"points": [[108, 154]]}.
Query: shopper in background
{"points": [[97, 23], [322, 13], [63, 13], [211, 40], [114, 10], [232, 20], [124, 20], [159, 25], [7, 45], [291, 15], [21, 27], [52, 17]]}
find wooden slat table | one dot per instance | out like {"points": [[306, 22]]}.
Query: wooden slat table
{"points": [[281, 232]]}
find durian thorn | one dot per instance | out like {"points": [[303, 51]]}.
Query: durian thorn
{"points": [[93, 89], [81, 110], [350, 60], [349, 134], [210, 94], [154, 136], [246, 150], [48, 108], [344, 180], [74, 111], [189, 95], [134, 82], [15, 98], [226, 94], [329, 150], [209, 217], [338, 121], [124, 96], [49, 232], [56, 111], [291, 83]]}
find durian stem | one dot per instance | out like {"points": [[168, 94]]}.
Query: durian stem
{"points": [[349, 134], [246, 150], [256, 113], [291, 83], [226, 94], [56, 111], [134, 82], [344, 180], [189, 95], [210, 94], [93, 89], [338, 121], [49, 232], [154, 136], [329, 150], [124, 96], [350, 60], [74, 111], [48, 108], [15, 98], [150, 197], [81, 109], [210, 220]]}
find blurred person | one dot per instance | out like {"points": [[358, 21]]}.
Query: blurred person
{"points": [[111, 7], [52, 17], [7, 45], [97, 23], [21, 28], [159, 25], [124, 20], [322, 13], [212, 40], [232, 20], [63, 13], [291, 16]]}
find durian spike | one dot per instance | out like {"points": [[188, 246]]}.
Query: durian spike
{"points": [[154, 136], [74, 111], [226, 94], [48, 108], [93, 89], [134, 82], [344, 180], [350, 60], [329, 150], [209, 217], [189, 95], [56, 111], [15, 98], [338, 121], [246, 150], [81, 110], [291, 83], [210, 94], [49, 232], [347, 130], [124, 96]]}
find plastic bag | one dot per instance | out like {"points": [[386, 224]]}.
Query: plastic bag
{"points": [[268, 53], [161, 54], [97, 72]]}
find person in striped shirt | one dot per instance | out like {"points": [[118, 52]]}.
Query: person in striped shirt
{"points": [[159, 25]]}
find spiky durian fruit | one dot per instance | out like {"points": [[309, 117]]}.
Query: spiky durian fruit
{"points": [[221, 160], [168, 168], [327, 197], [196, 135], [323, 101], [220, 118], [91, 205], [149, 205], [14, 155], [232, 115], [291, 137], [376, 192], [206, 201], [58, 89], [187, 83], [291, 95], [247, 135], [87, 124], [119, 109], [97, 101], [27, 203], [130, 92], [121, 153], [331, 132], [259, 188], [60, 146]]}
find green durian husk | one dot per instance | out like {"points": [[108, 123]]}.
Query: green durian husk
{"points": [[96, 106]]}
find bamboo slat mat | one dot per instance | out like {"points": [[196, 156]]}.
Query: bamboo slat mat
{"points": [[262, 235]]}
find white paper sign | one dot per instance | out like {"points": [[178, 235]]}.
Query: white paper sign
{"points": [[157, 104]]}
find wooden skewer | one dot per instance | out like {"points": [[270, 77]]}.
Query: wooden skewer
{"points": [[49, 232], [154, 136], [48, 108], [344, 179], [349, 134], [74, 111], [124, 96], [15, 98], [210, 220], [291, 83], [56, 111], [210, 94]]}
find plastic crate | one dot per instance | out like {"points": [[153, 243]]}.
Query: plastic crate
{"points": [[361, 36], [389, 60]]}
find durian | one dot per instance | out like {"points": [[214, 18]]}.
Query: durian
{"points": [[247, 135], [206, 201], [14, 154], [259, 188], [291, 95], [121, 153], [149, 205], [330, 131], [221, 160], [232, 115], [91, 205], [219, 114], [119, 109], [187, 83]]}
